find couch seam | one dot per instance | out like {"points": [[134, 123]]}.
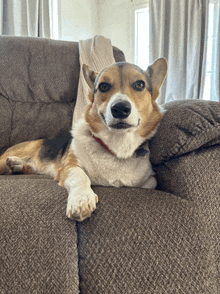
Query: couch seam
{"points": [[77, 245]]}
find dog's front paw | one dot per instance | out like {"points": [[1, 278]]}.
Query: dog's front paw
{"points": [[81, 204]]}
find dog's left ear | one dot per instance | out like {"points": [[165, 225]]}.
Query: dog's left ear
{"points": [[89, 75], [156, 73]]}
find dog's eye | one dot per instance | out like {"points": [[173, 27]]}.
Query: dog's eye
{"points": [[104, 87], [139, 85]]}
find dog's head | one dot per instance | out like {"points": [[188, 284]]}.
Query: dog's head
{"points": [[122, 97]]}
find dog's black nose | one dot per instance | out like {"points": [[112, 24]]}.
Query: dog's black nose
{"points": [[121, 109]]}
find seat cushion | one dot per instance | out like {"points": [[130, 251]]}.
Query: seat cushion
{"points": [[38, 243], [144, 241]]}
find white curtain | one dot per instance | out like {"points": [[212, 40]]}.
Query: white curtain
{"points": [[27, 18], [179, 32]]}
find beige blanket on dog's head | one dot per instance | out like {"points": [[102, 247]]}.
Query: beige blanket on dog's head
{"points": [[97, 53]]}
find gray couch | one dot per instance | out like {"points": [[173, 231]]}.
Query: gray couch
{"points": [[161, 241]]}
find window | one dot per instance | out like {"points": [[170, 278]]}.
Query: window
{"points": [[212, 52], [53, 4], [140, 13], [142, 37]]}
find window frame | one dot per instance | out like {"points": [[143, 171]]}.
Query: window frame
{"points": [[209, 91]]}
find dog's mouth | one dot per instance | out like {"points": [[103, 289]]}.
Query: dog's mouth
{"points": [[119, 125]]}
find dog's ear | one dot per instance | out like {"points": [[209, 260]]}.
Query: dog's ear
{"points": [[89, 75], [156, 73]]}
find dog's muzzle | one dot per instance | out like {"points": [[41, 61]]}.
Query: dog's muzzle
{"points": [[120, 114], [121, 110]]}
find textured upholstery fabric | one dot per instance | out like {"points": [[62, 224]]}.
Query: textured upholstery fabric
{"points": [[186, 126], [188, 162], [38, 245], [196, 177], [143, 241], [38, 88]]}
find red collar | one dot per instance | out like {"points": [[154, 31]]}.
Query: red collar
{"points": [[102, 143], [140, 151]]}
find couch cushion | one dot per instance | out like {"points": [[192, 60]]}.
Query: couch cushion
{"points": [[186, 126], [38, 87], [144, 241], [38, 243]]}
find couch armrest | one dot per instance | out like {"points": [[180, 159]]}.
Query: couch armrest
{"points": [[195, 176], [186, 125], [185, 153]]}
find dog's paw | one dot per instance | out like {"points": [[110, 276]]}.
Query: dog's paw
{"points": [[14, 163], [81, 205]]}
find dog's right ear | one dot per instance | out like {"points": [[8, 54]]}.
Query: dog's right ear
{"points": [[89, 75]]}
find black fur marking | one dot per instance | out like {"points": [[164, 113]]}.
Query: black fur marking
{"points": [[51, 148]]}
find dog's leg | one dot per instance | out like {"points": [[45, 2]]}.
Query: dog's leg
{"points": [[14, 164], [21, 158], [81, 200], [17, 165]]}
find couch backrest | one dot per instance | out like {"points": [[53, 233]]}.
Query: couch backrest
{"points": [[38, 87]]}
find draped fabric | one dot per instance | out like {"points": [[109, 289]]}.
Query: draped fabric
{"points": [[97, 53], [26, 18], [179, 31]]}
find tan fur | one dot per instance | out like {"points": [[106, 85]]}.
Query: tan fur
{"points": [[92, 118], [62, 167], [111, 75], [144, 101]]}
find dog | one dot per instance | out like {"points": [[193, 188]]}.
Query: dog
{"points": [[108, 146]]}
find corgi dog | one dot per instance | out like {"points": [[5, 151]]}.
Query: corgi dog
{"points": [[108, 146]]}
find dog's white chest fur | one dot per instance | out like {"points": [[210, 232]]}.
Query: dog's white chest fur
{"points": [[106, 169]]}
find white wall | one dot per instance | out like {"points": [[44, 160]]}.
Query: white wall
{"points": [[115, 23], [83, 19], [77, 19]]}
